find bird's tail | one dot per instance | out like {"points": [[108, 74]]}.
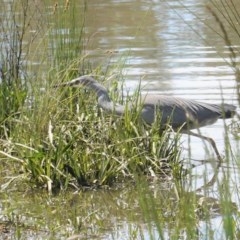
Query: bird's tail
{"points": [[228, 110]]}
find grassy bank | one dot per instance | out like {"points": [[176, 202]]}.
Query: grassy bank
{"points": [[58, 138], [58, 141]]}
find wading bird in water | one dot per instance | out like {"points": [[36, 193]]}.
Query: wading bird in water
{"points": [[177, 112]]}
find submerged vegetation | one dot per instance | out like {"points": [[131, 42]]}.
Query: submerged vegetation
{"points": [[59, 140]]}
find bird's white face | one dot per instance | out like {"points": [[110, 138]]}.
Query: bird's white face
{"points": [[82, 81], [78, 82]]}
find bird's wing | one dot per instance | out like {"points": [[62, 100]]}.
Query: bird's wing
{"points": [[178, 111]]}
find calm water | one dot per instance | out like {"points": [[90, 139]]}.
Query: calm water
{"points": [[170, 47]]}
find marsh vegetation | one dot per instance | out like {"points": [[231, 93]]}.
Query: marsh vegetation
{"points": [[68, 169]]}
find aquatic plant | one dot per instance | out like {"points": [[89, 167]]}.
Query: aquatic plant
{"points": [[60, 139]]}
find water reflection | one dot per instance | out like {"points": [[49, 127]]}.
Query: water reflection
{"points": [[159, 43], [173, 52], [171, 48], [116, 214]]}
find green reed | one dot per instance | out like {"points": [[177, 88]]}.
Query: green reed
{"points": [[59, 138], [185, 213]]}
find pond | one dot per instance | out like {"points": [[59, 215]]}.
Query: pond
{"points": [[172, 48], [167, 45]]}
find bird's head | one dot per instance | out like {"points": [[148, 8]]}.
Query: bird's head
{"points": [[85, 80]]}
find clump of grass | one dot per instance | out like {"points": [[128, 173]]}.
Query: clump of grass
{"points": [[61, 139], [75, 143], [13, 90]]}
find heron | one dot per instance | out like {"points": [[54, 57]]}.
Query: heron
{"points": [[181, 114]]}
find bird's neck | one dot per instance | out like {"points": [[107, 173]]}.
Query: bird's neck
{"points": [[105, 102]]}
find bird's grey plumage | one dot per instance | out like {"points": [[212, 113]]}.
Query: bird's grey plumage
{"points": [[183, 111], [175, 111], [178, 111]]}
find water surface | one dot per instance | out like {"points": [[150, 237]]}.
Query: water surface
{"points": [[172, 48]]}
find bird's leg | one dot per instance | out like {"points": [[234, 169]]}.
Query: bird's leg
{"points": [[211, 141]]}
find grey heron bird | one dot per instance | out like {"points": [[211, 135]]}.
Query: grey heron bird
{"points": [[178, 112]]}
